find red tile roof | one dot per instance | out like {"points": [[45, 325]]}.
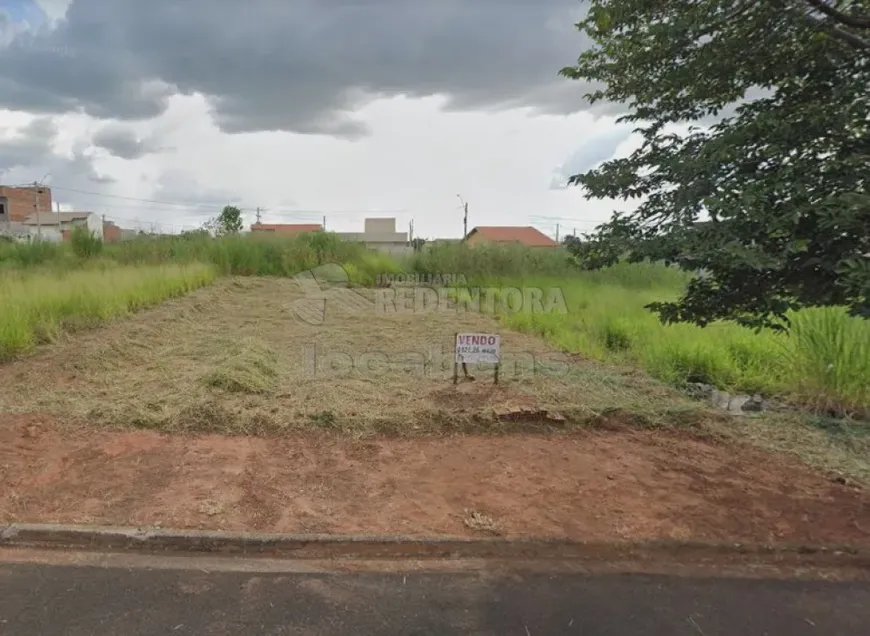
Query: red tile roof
{"points": [[286, 228], [525, 235]]}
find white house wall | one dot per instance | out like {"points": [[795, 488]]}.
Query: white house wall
{"points": [[95, 225], [49, 234]]}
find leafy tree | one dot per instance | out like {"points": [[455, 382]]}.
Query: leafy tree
{"points": [[766, 195], [571, 240], [229, 221], [210, 227]]}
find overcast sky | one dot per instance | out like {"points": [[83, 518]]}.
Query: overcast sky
{"points": [[161, 111]]}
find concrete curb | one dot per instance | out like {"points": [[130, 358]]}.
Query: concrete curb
{"points": [[115, 539]]}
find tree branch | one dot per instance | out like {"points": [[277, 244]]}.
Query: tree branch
{"points": [[856, 21], [851, 39]]}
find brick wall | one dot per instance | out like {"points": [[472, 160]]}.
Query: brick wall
{"points": [[21, 202], [111, 232]]}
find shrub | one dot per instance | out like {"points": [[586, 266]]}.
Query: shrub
{"points": [[84, 243], [486, 263], [31, 254]]}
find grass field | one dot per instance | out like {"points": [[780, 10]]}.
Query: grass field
{"points": [[231, 255], [240, 406], [38, 306], [236, 358], [48, 288], [239, 358], [822, 363], [254, 404]]}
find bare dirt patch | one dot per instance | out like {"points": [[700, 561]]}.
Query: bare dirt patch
{"points": [[586, 485]]}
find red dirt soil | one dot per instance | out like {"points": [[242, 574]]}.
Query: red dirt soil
{"points": [[591, 485]]}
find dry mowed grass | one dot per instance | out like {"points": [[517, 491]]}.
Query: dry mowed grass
{"points": [[235, 358]]}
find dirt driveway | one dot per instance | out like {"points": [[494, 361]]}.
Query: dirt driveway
{"points": [[586, 485]]}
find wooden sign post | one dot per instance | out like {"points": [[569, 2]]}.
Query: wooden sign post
{"points": [[476, 348]]}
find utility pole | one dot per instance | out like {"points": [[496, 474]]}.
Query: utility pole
{"points": [[258, 215], [411, 232], [324, 223], [464, 218], [557, 232], [36, 205]]}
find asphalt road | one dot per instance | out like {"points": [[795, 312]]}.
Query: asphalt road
{"points": [[75, 600]]}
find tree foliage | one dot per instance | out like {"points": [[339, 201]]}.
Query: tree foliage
{"points": [[230, 220], [766, 192]]}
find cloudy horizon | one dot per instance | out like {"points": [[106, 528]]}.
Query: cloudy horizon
{"points": [[159, 113]]}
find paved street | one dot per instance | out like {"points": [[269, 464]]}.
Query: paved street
{"points": [[74, 600]]}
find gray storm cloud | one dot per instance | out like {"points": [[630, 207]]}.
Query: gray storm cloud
{"points": [[123, 142], [297, 65]]}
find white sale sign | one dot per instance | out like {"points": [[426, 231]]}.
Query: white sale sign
{"points": [[477, 347]]}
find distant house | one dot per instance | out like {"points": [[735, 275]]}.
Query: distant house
{"points": [[528, 236], [111, 232], [18, 203], [286, 229], [380, 234], [57, 226]]}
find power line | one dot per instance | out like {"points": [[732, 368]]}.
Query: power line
{"points": [[568, 219], [117, 196], [320, 212], [150, 224], [145, 209]]}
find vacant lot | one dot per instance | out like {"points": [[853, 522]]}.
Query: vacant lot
{"points": [[348, 421], [237, 358]]}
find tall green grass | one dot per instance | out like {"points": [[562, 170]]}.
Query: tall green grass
{"points": [[367, 267], [822, 362], [36, 307], [829, 357], [489, 263], [19, 255], [243, 255]]}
